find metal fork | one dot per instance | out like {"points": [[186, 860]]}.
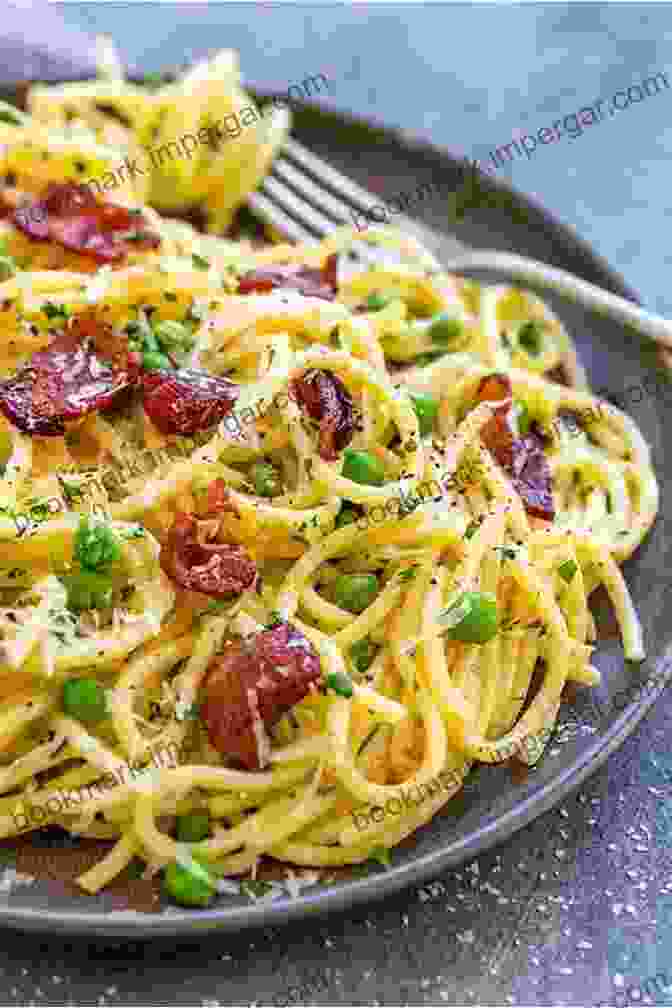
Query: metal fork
{"points": [[304, 198]]}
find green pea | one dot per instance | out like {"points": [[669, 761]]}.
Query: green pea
{"points": [[445, 329], [153, 361], [479, 618], [346, 516], [530, 336], [149, 341], [340, 684], [523, 418], [362, 467], [426, 409], [84, 699], [96, 546], [88, 590], [567, 570], [355, 592], [362, 654], [191, 886], [266, 479], [193, 827], [376, 301], [173, 335]]}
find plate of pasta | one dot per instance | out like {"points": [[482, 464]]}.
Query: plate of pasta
{"points": [[304, 563]]}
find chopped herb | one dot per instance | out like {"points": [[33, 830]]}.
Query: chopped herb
{"points": [[567, 570], [72, 492], [199, 261], [275, 619], [135, 869], [408, 574], [369, 738], [135, 532], [508, 552], [153, 81], [7, 857], [362, 654], [140, 236], [217, 605], [471, 529], [53, 311], [530, 336], [255, 887], [429, 357], [8, 115], [382, 855], [190, 713], [407, 505]]}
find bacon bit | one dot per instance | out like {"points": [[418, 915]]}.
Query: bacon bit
{"points": [[70, 215], [325, 399], [320, 283], [64, 382], [219, 570], [111, 345], [218, 499], [532, 476], [524, 458], [494, 387], [186, 401], [251, 686]]}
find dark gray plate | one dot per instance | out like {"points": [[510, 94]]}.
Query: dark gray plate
{"points": [[496, 801]]}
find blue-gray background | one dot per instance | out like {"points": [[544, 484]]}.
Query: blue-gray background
{"points": [[467, 78]]}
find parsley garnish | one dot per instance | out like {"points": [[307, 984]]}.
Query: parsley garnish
{"points": [[382, 855], [8, 115], [255, 887], [140, 236], [135, 532], [508, 552], [199, 261], [53, 311], [567, 570]]}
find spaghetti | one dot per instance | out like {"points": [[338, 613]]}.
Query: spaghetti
{"points": [[234, 601]]}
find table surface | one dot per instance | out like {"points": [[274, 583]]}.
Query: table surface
{"points": [[496, 932]]}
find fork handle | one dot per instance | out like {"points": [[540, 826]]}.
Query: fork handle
{"points": [[550, 277]]}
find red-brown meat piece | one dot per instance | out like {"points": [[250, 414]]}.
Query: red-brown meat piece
{"points": [[70, 215], [220, 570], [325, 399], [523, 458], [66, 381], [321, 283], [250, 687], [186, 401]]}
